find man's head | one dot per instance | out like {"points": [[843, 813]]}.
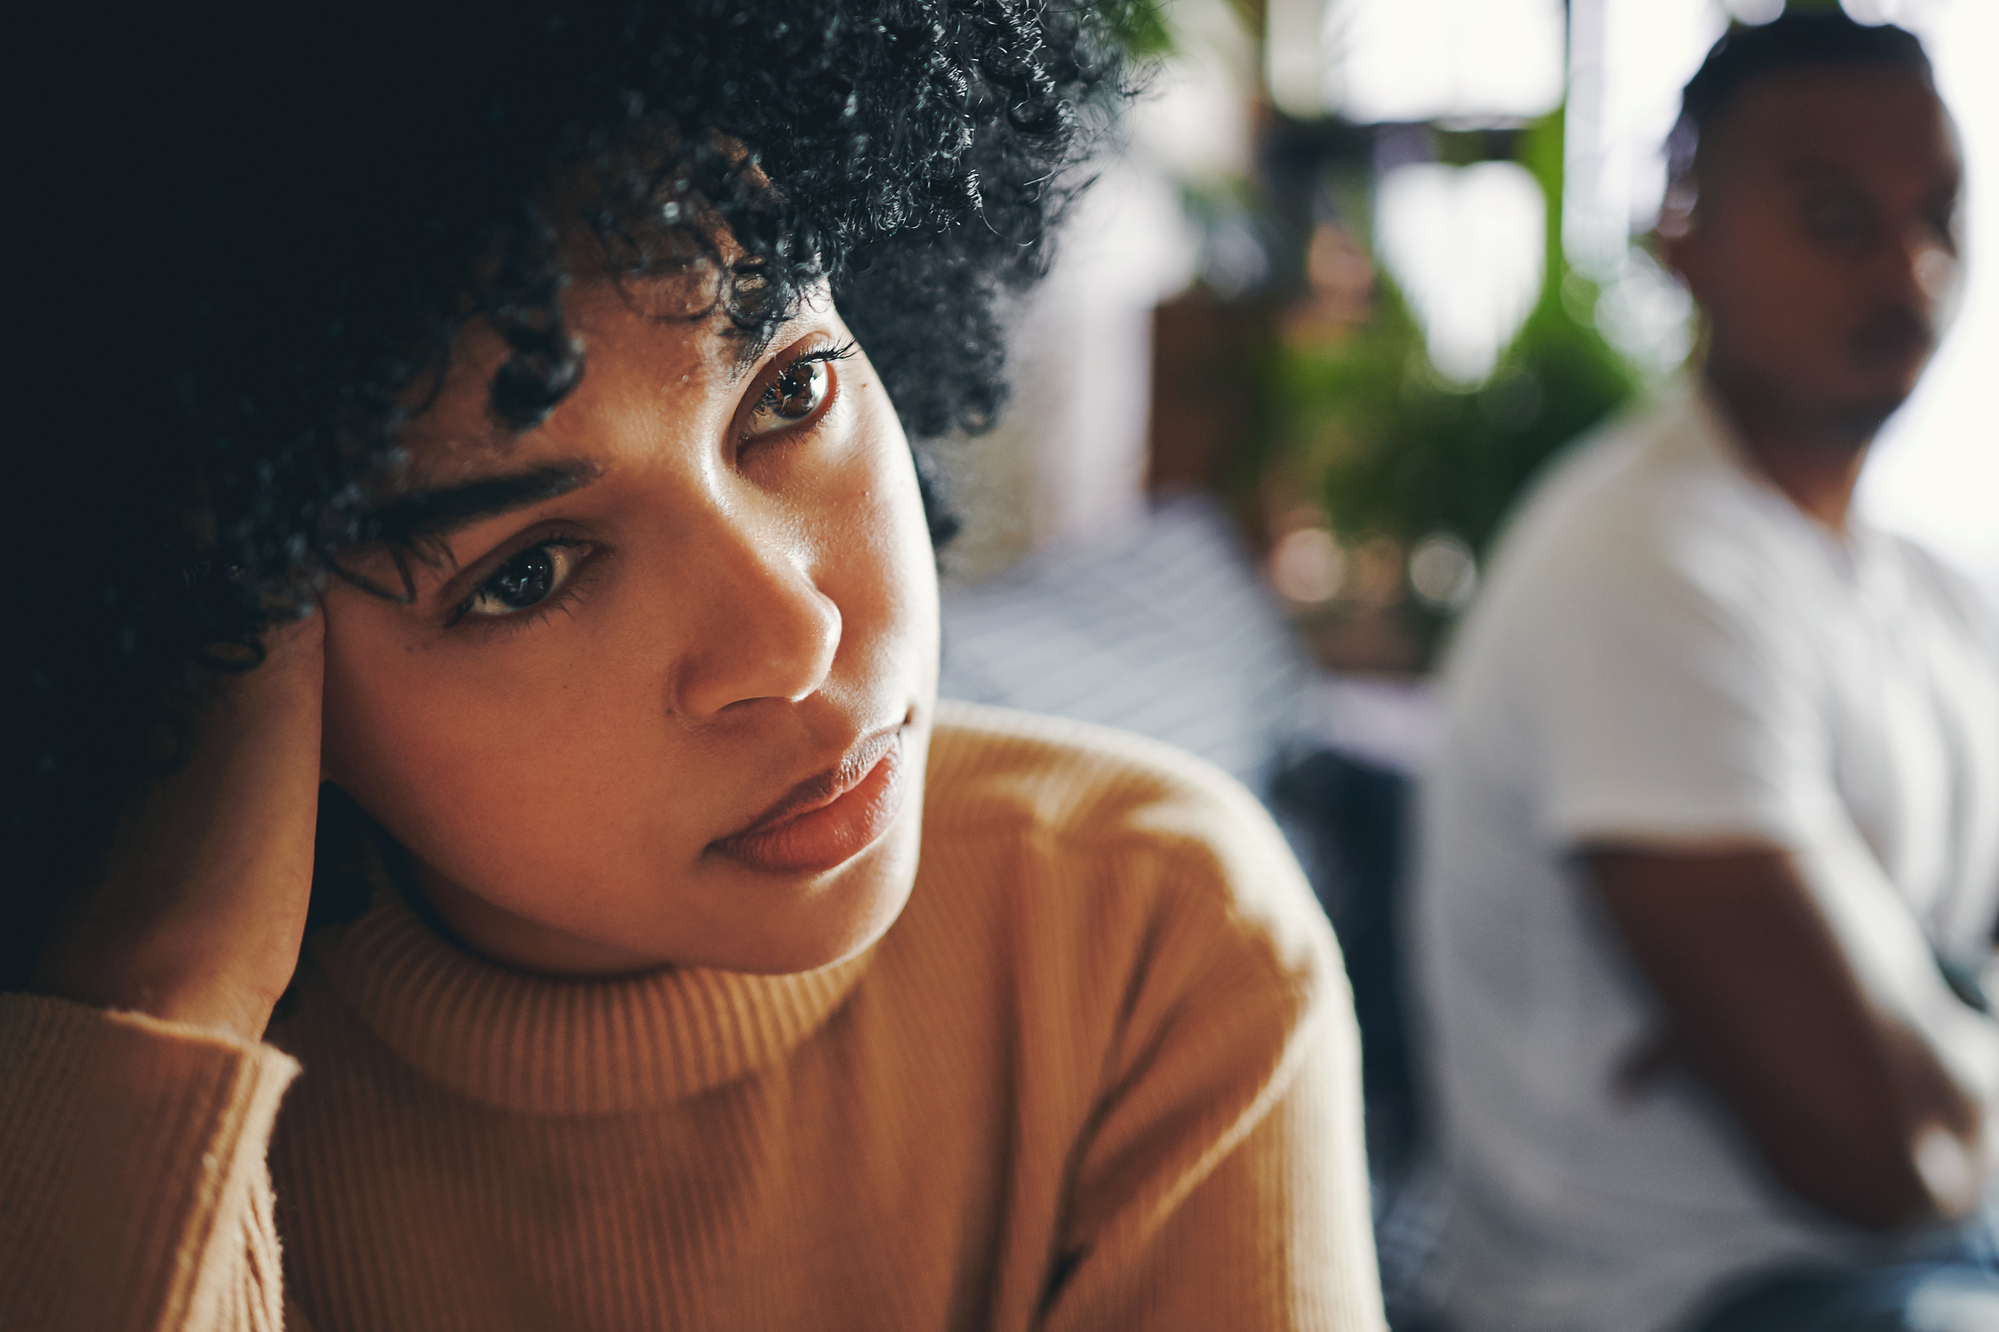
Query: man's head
{"points": [[1813, 216]]}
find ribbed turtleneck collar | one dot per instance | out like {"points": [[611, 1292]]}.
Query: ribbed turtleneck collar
{"points": [[548, 1045]]}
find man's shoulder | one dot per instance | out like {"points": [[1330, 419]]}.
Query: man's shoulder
{"points": [[1117, 827], [1652, 514], [1643, 485]]}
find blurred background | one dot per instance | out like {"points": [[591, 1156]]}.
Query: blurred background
{"points": [[1359, 269], [1363, 263]]}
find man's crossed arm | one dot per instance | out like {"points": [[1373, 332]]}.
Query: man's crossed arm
{"points": [[1872, 1091]]}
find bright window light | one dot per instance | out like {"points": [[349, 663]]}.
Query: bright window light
{"points": [[1443, 59], [1466, 245], [1631, 58], [1935, 473]]}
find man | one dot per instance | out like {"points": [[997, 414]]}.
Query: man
{"points": [[1711, 850]]}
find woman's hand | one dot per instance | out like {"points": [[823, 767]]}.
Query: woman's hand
{"points": [[198, 914]]}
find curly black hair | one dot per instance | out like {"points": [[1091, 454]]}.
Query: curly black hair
{"points": [[252, 232]]}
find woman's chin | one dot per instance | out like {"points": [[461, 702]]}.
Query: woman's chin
{"points": [[823, 923]]}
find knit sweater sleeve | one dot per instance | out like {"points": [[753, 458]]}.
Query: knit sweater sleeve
{"points": [[1223, 1182], [132, 1164]]}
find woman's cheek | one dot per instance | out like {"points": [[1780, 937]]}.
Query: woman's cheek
{"points": [[885, 523], [512, 745], [441, 739]]}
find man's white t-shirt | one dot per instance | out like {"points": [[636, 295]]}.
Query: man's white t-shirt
{"points": [[1668, 649]]}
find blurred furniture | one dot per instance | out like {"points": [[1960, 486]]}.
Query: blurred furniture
{"points": [[1158, 626]]}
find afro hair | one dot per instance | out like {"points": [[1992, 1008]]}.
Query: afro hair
{"points": [[253, 230]]}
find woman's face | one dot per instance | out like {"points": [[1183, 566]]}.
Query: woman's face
{"points": [[667, 698]]}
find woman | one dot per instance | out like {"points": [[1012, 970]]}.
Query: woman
{"points": [[490, 631]]}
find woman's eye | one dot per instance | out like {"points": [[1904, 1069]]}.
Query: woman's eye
{"points": [[527, 579], [794, 396]]}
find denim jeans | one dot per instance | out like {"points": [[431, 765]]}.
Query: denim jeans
{"points": [[1957, 1293]]}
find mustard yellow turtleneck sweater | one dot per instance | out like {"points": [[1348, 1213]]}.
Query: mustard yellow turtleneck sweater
{"points": [[1102, 1073]]}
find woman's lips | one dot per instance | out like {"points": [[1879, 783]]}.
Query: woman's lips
{"points": [[827, 820]]}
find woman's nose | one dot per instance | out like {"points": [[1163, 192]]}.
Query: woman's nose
{"points": [[767, 630]]}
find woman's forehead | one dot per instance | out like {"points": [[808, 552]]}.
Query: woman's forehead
{"points": [[669, 368]]}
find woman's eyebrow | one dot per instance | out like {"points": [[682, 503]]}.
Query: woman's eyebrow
{"points": [[755, 340], [439, 513]]}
